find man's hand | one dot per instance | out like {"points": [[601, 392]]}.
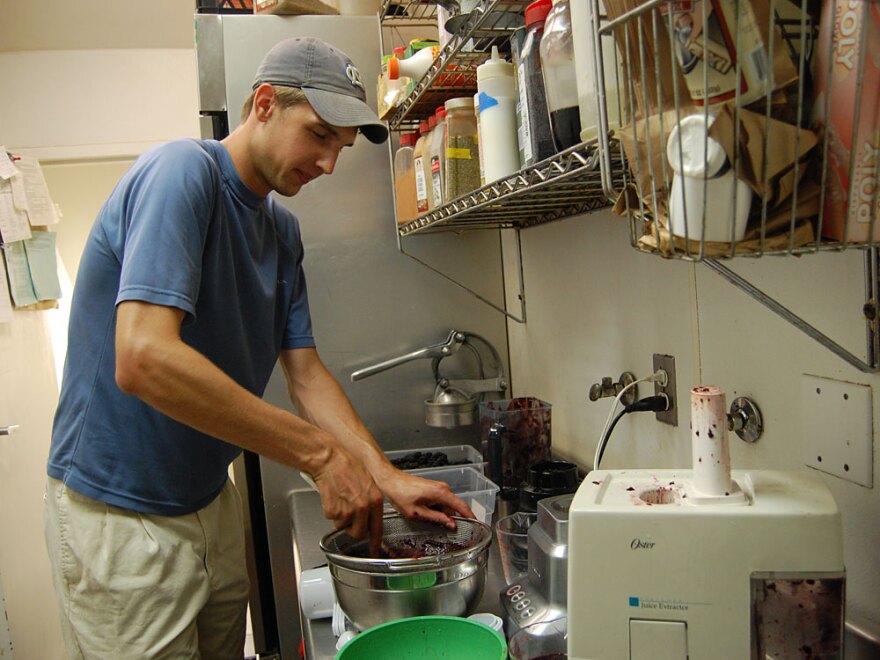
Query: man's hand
{"points": [[350, 498], [422, 499]]}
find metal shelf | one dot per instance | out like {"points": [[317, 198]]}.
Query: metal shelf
{"points": [[570, 183], [454, 71], [567, 184]]}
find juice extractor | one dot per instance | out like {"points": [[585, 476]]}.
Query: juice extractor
{"points": [[705, 562]]}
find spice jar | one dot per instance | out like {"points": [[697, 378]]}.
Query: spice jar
{"points": [[462, 152], [420, 155], [405, 179]]}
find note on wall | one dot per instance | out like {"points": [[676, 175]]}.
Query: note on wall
{"points": [[20, 285], [32, 269], [7, 169], [14, 225], [40, 208]]}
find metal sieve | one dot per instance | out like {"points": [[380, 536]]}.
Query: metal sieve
{"points": [[437, 545]]}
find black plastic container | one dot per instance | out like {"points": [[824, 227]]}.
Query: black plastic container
{"points": [[547, 479]]}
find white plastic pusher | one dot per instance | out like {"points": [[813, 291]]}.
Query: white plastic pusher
{"points": [[710, 449]]}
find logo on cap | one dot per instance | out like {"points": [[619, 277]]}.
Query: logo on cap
{"points": [[354, 75]]}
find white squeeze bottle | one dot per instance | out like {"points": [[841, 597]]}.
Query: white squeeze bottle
{"points": [[497, 101]]}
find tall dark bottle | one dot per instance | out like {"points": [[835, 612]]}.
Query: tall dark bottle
{"points": [[560, 79]]}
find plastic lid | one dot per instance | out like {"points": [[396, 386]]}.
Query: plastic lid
{"points": [[460, 102], [700, 155], [423, 127], [537, 12], [494, 66], [393, 68], [432, 121], [408, 139], [488, 619], [440, 113], [400, 50]]}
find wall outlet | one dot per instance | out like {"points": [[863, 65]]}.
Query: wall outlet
{"points": [[838, 428], [667, 363]]}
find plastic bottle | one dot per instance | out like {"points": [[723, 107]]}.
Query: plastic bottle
{"points": [[405, 179], [496, 87], [390, 93], [462, 154], [438, 157], [426, 162], [534, 135], [419, 155], [415, 66], [560, 78]]}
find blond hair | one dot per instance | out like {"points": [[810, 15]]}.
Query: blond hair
{"points": [[286, 97]]}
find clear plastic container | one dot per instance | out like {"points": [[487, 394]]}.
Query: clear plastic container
{"points": [[560, 77], [469, 484], [459, 454], [405, 179], [534, 135], [438, 157], [497, 90], [462, 150], [420, 155]]}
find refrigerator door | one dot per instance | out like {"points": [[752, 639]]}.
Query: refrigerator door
{"points": [[368, 301]]}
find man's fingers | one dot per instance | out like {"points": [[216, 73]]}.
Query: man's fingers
{"points": [[376, 529]]}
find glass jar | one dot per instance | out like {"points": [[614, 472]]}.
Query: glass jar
{"points": [[560, 77]]}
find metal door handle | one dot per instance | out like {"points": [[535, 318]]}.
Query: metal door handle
{"points": [[8, 430]]}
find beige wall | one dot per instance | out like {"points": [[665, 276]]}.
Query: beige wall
{"points": [[597, 307]]}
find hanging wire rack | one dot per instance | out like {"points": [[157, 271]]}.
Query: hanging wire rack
{"points": [[812, 179]]}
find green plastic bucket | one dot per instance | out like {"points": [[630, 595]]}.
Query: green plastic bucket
{"points": [[427, 638]]}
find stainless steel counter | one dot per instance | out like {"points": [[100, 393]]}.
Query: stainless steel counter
{"points": [[308, 526]]}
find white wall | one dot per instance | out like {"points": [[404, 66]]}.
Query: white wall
{"points": [[597, 307], [86, 110]]}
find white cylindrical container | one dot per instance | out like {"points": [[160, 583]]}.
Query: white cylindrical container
{"points": [[709, 444], [583, 38], [704, 179], [499, 146], [316, 594]]}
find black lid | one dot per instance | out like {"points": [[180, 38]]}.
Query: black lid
{"points": [[546, 479]]}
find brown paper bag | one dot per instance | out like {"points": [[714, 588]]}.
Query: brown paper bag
{"points": [[784, 144]]}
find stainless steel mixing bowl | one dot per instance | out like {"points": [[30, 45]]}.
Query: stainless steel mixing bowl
{"points": [[373, 591]]}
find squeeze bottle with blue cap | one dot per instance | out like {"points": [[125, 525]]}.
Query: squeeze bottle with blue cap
{"points": [[496, 89]]}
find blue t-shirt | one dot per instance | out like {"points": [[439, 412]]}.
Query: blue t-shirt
{"points": [[180, 229]]}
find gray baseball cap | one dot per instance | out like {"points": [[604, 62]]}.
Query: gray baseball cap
{"points": [[331, 82]]}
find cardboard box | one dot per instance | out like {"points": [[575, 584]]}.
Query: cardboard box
{"points": [[851, 182]]}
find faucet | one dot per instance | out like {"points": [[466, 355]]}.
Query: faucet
{"points": [[454, 400]]}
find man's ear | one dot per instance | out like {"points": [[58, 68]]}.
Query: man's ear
{"points": [[264, 101]]}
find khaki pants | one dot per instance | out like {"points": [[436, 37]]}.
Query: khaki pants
{"points": [[132, 585]]}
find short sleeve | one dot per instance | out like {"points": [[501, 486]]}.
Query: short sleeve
{"points": [[167, 209]]}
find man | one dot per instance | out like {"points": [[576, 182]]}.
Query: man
{"points": [[190, 288]]}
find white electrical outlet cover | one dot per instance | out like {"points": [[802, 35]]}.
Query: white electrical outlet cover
{"points": [[838, 428]]}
